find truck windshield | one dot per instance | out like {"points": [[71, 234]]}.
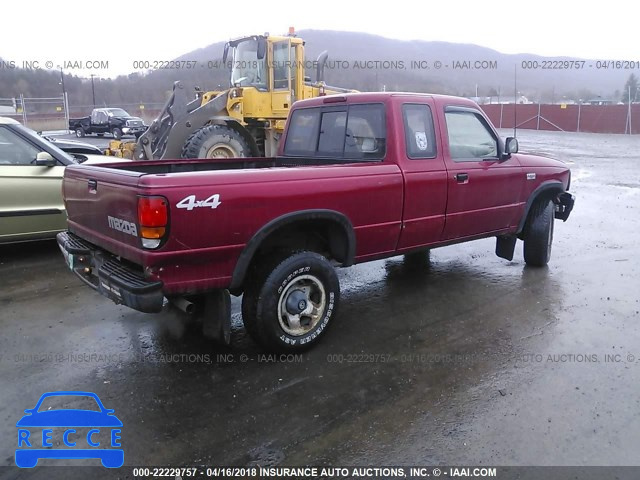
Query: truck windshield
{"points": [[246, 69], [117, 112]]}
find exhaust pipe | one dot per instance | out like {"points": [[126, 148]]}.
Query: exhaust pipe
{"points": [[321, 62], [183, 304]]}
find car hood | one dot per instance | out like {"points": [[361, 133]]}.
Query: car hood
{"points": [[527, 160], [69, 418], [130, 118]]}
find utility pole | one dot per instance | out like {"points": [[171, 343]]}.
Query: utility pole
{"points": [[93, 91], [64, 91], [65, 98]]}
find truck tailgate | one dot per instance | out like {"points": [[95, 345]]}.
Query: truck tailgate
{"points": [[102, 207]]}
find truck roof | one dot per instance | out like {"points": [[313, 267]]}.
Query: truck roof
{"points": [[370, 97]]}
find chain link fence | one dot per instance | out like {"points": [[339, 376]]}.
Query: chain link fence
{"points": [[53, 113], [38, 113]]}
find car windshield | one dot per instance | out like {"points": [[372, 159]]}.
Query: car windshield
{"points": [[39, 141], [117, 112], [69, 402]]}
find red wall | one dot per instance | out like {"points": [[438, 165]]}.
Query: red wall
{"points": [[592, 118]]}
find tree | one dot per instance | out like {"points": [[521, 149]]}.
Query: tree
{"points": [[630, 89]]}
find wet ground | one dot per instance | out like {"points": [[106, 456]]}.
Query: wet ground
{"points": [[463, 358]]}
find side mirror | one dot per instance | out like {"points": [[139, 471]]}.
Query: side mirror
{"points": [[44, 159], [511, 145], [262, 48], [225, 53]]}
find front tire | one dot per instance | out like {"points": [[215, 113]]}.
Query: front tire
{"points": [[117, 133], [538, 233], [216, 141], [288, 308], [80, 132]]}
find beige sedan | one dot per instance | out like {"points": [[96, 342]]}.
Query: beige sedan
{"points": [[31, 170]]}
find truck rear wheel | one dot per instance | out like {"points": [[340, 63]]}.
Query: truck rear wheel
{"points": [[289, 302], [215, 141], [80, 132], [117, 133], [538, 234]]}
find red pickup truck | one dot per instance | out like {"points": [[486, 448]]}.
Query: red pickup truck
{"points": [[358, 177]]}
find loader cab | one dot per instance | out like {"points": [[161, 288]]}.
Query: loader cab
{"points": [[269, 70]]}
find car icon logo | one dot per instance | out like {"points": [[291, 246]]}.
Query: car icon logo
{"points": [[84, 433]]}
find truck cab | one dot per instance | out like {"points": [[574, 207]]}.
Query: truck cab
{"points": [[114, 121]]}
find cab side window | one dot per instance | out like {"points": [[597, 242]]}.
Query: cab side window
{"points": [[419, 133], [469, 137], [14, 150]]}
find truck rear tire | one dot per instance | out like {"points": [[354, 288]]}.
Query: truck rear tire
{"points": [[538, 233], [80, 132], [215, 141], [117, 133], [288, 303]]}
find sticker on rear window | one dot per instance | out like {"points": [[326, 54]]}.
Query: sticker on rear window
{"points": [[421, 140]]}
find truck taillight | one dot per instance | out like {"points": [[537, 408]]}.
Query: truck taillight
{"points": [[153, 216]]}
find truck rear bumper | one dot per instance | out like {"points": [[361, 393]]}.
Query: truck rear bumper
{"points": [[110, 276]]}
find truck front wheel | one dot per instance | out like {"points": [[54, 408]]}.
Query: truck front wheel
{"points": [[80, 132], [288, 304], [215, 141], [117, 133], [538, 233]]}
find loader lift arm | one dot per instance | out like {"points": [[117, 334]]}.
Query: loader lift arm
{"points": [[178, 119]]}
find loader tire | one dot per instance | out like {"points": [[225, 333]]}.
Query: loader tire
{"points": [[215, 141]]}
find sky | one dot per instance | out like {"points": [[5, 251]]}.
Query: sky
{"points": [[55, 32]]}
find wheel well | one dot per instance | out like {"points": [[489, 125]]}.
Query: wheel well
{"points": [[320, 236], [548, 191], [327, 236]]}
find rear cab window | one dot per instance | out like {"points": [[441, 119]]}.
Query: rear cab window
{"points": [[419, 133], [356, 132]]}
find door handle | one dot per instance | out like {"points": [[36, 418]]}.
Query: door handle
{"points": [[462, 177]]}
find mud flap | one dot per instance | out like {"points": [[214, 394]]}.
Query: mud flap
{"points": [[505, 246], [216, 319]]}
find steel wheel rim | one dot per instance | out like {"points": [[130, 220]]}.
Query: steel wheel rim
{"points": [[221, 150], [309, 289]]}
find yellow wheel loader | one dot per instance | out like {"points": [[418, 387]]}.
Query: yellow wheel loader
{"points": [[247, 120]]}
